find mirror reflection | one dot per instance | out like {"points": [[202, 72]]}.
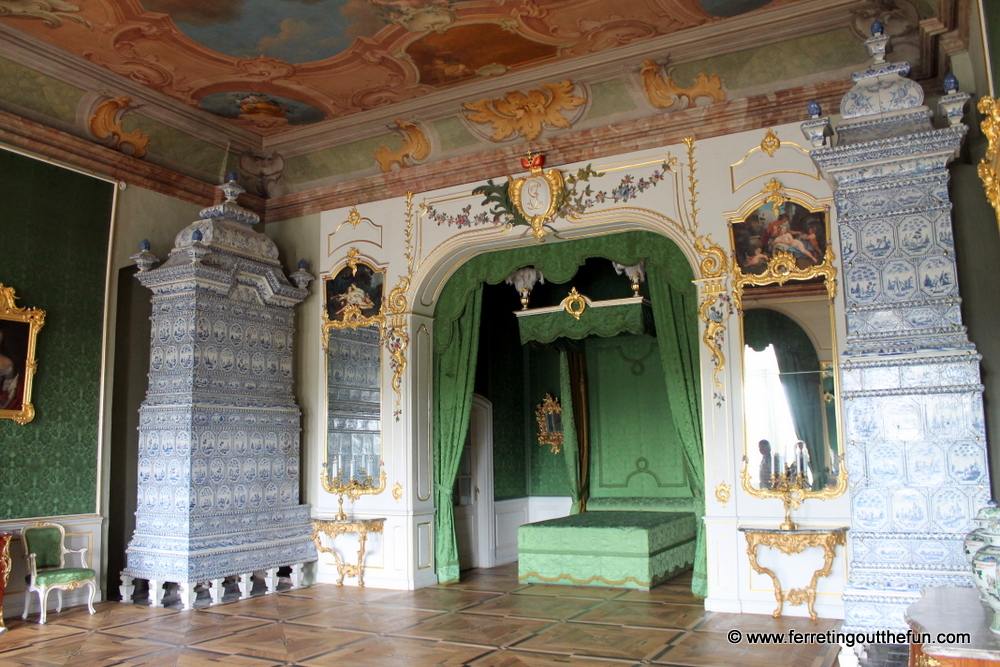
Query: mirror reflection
{"points": [[354, 406], [789, 403]]}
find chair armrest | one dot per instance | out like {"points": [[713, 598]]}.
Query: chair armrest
{"points": [[83, 554]]}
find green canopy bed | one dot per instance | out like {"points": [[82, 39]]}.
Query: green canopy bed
{"points": [[610, 539]]}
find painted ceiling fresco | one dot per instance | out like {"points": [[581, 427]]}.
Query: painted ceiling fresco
{"points": [[273, 65]]}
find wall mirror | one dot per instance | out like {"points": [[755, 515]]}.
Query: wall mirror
{"points": [[784, 284], [352, 339], [550, 428]]}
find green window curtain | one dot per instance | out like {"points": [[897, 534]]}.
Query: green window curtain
{"points": [[454, 376], [676, 315]]}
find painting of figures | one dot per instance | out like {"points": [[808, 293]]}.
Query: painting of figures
{"points": [[779, 226]]}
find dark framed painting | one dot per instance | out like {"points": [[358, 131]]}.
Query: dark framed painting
{"points": [[353, 297], [777, 227], [18, 332]]}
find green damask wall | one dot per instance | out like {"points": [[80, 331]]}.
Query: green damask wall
{"points": [[548, 470], [54, 227]]}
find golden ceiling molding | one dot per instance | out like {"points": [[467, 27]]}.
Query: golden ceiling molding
{"points": [[526, 114], [663, 93], [51, 12], [106, 125], [416, 148]]}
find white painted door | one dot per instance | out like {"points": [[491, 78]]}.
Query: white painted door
{"points": [[473, 493]]}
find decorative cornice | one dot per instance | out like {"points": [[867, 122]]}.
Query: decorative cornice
{"points": [[914, 391]]}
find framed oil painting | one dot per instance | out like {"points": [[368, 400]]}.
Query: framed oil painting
{"points": [[18, 332], [774, 227], [353, 296]]}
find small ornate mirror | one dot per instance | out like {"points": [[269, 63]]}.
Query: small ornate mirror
{"points": [[550, 430]]}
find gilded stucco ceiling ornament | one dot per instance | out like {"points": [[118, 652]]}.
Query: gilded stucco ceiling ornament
{"points": [[106, 125], [989, 167], [770, 143], [264, 68], [663, 93], [526, 115], [416, 148], [51, 12]]}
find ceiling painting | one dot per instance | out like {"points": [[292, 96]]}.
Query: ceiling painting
{"points": [[467, 51], [274, 65]]}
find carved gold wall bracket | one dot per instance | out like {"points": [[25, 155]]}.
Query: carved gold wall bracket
{"points": [[106, 125], [663, 93], [989, 167], [416, 148], [517, 113], [334, 529], [714, 307]]}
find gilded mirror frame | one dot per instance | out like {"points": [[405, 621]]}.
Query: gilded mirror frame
{"points": [[354, 298], [19, 329], [553, 439], [781, 265]]}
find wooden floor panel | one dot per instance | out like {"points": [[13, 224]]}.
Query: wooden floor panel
{"points": [[489, 619]]}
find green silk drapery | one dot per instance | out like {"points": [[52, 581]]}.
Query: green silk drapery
{"points": [[676, 314], [630, 316], [801, 378], [669, 277], [570, 448], [454, 376]]}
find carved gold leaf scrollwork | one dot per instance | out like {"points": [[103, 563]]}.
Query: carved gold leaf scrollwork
{"points": [[397, 491], [770, 143], [395, 336], [714, 261], [415, 148], [714, 310], [989, 167], [106, 125], [517, 113], [15, 383], [51, 12], [663, 93], [722, 493]]}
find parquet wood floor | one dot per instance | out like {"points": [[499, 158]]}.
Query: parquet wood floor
{"points": [[487, 620]]}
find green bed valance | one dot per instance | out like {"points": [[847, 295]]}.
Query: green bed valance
{"points": [[600, 318]]}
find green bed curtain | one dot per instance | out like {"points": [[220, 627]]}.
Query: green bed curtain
{"points": [[675, 313], [570, 450], [454, 376]]}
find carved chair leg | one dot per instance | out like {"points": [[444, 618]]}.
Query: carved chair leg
{"points": [[44, 601], [27, 604], [93, 593], [59, 600]]}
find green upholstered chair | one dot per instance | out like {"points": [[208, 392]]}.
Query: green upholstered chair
{"points": [[44, 547]]}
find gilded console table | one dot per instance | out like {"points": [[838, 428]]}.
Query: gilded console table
{"points": [[792, 542], [4, 572], [333, 529]]}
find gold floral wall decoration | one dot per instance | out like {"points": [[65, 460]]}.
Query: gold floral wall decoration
{"points": [[397, 491], [19, 329], [770, 143], [416, 148], [106, 125], [723, 493], [517, 113], [396, 337], [663, 93]]}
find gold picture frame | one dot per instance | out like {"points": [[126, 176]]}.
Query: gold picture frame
{"points": [[19, 329], [549, 417], [989, 166], [353, 296], [780, 238]]}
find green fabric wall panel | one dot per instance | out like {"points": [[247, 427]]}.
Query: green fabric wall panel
{"points": [[548, 470], [54, 228], [635, 451]]}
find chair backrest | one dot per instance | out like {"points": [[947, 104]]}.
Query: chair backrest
{"points": [[45, 540]]}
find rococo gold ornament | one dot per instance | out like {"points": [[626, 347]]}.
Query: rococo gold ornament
{"points": [[548, 414], [989, 167], [536, 196], [19, 329]]}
